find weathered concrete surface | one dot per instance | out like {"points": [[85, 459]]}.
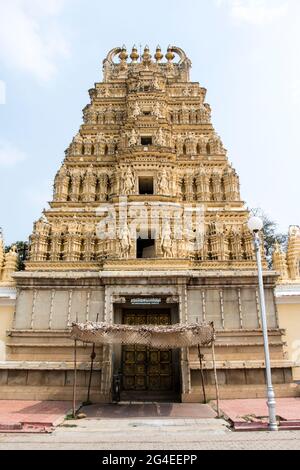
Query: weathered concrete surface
{"points": [[287, 408], [30, 415], [150, 410], [145, 434]]}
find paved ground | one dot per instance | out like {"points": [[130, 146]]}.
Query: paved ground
{"points": [[237, 410], [151, 410], [145, 434], [27, 415], [144, 427]]}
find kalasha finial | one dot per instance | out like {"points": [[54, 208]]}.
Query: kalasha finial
{"points": [[146, 56], [159, 55], [123, 56], [170, 54], [134, 54]]}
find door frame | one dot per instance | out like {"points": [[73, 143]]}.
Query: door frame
{"points": [[176, 354]]}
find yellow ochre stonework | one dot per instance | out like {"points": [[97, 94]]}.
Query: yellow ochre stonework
{"points": [[146, 222], [8, 265], [288, 294]]}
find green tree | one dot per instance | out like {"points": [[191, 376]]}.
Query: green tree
{"points": [[271, 234]]}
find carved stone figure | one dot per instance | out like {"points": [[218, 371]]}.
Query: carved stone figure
{"points": [[100, 144], [202, 144], [125, 242], [163, 183], [136, 111], [166, 241], [156, 110], [160, 138], [133, 138], [280, 262], [128, 182], [179, 144]]}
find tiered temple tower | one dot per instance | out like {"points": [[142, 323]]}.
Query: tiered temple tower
{"points": [[146, 225]]}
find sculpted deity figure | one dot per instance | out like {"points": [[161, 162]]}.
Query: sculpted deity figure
{"points": [[156, 110], [202, 142], [179, 144], [100, 144], [163, 183], [133, 138], [156, 85], [125, 241], [166, 241], [110, 115], [185, 112], [190, 242], [129, 182], [191, 144], [136, 110], [160, 138], [186, 91], [204, 114], [280, 262]]}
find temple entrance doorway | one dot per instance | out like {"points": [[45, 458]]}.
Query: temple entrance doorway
{"points": [[149, 374]]}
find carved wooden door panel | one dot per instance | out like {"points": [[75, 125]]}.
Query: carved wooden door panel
{"points": [[146, 369]]}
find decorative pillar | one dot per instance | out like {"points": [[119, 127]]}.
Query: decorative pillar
{"points": [[61, 185], [89, 186], [75, 186]]}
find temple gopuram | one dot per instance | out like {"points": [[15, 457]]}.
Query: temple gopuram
{"points": [[146, 227]]}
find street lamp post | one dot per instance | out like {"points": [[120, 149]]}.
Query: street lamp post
{"points": [[255, 224]]}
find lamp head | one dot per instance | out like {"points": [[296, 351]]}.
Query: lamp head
{"points": [[255, 224]]}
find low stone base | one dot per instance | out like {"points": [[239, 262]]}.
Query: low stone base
{"points": [[233, 392], [50, 394]]}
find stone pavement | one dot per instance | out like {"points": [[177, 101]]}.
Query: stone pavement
{"points": [[253, 413], [150, 410], [150, 434], [32, 416], [236, 410]]}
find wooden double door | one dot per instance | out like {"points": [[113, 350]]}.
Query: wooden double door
{"points": [[146, 370]]}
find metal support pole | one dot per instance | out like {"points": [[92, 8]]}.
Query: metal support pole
{"points": [[93, 356], [75, 379], [202, 375], [270, 391], [216, 378]]}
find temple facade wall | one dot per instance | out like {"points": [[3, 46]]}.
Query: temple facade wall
{"points": [[40, 345]]}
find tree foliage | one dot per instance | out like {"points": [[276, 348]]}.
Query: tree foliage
{"points": [[271, 234]]}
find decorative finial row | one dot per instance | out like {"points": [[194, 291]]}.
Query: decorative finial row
{"points": [[146, 56]]}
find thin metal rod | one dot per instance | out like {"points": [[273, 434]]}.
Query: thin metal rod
{"points": [[216, 378], [270, 391], [75, 379], [93, 356], [202, 375]]}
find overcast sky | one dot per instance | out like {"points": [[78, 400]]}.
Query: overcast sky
{"points": [[245, 52]]}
